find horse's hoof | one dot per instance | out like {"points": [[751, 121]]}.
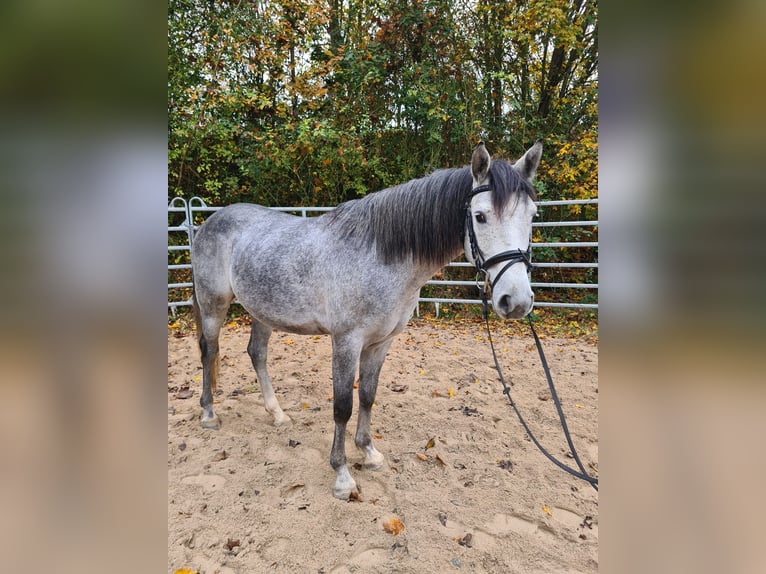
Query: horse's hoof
{"points": [[344, 485], [373, 460], [344, 493], [282, 421], [214, 423], [371, 465]]}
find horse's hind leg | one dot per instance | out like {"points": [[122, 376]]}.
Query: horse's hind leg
{"points": [[371, 361], [257, 348], [209, 316]]}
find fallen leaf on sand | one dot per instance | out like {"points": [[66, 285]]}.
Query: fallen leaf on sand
{"points": [[185, 393], [393, 526], [430, 444], [450, 392], [292, 487], [185, 571], [547, 510], [421, 456], [220, 456], [230, 544], [440, 460]]}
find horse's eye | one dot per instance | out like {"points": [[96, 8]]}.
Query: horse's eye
{"points": [[481, 218]]}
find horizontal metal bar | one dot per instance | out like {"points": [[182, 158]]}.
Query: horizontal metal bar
{"points": [[555, 265], [458, 283], [179, 266], [179, 228], [566, 265], [478, 302], [566, 244], [568, 202], [442, 300], [179, 285], [564, 223], [178, 248], [570, 305], [565, 285]]}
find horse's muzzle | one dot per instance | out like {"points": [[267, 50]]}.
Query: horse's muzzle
{"points": [[508, 307]]}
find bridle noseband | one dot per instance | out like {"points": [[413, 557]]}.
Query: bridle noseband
{"points": [[482, 265]]}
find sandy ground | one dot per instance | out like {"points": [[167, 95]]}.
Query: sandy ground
{"points": [[252, 498]]}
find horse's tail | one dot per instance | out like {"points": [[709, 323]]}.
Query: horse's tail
{"points": [[197, 318]]}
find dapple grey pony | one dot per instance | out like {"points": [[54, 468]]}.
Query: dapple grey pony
{"points": [[354, 273]]}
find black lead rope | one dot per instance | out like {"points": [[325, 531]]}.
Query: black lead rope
{"points": [[507, 392], [482, 266]]}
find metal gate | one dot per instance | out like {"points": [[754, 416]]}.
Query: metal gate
{"points": [[452, 285]]}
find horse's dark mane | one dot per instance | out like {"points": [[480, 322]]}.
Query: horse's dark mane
{"points": [[423, 218]]}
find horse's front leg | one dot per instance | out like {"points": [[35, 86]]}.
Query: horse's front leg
{"points": [[345, 357], [370, 363]]}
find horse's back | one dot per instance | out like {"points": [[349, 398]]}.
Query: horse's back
{"points": [[216, 239]]}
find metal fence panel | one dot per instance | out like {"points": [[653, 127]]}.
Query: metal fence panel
{"points": [[185, 216]]}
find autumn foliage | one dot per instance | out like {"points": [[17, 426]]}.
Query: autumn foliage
{"points": [[315, 102]]}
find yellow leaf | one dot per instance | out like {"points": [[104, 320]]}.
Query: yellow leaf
{"points": [[304, 406], [288, 341], [422, 372], [393, 526], [450, 392], [547, 510], [430, 444], [185, 571]]}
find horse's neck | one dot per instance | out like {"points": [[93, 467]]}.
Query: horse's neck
{"points": [[422, 272]]}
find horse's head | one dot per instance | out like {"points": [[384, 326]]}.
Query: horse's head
{"points": [[499, 216]]}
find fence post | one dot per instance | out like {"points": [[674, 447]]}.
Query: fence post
{"points": [[179, 204]]}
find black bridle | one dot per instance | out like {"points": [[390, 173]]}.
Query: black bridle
{"points": [[483, 264]]}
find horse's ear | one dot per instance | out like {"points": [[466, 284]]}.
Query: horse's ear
{"points": [[527, 165], [480, 162]]}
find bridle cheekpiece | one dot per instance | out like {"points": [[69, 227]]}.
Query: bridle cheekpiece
{"points": [[483, 264]]}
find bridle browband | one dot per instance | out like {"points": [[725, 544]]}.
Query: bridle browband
{"points": [[482, 265]]}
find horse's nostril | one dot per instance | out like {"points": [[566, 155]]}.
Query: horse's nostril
{"points": [[504, 304]]}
